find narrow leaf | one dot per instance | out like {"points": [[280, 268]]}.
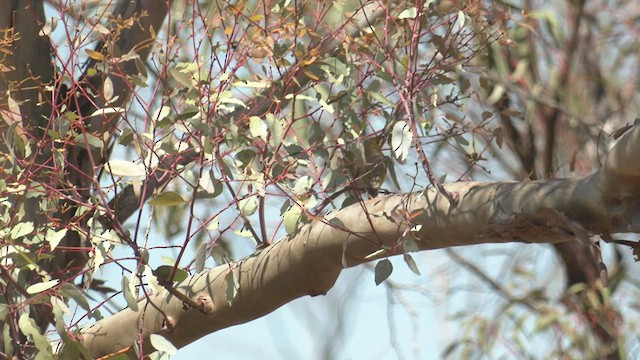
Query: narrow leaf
{"points": [[40, 287], [95, 54], [125, 168], [168, 198], [127, 291], [411, 264], [70, 291], [29, 328], [233, 285], [201, 257]]}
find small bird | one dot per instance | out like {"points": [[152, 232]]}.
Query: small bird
{"points": [[371, 174]]}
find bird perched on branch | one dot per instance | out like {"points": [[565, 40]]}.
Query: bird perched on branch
{"points": [[370, 173]]}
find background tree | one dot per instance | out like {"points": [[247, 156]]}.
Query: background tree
{"points": [[152, 139]]}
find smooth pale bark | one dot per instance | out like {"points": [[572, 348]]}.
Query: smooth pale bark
{"points": [[309, 262]]}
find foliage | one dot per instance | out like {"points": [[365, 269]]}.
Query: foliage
{"points": [[249, 119]]}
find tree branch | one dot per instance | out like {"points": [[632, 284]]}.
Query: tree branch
{"points": [[309, 262]]}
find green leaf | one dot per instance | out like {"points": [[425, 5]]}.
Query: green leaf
{"points": [[163, 272], [188, 113], [231, 100], [4, 310], [381, 98], [128, 292], [125, 168], [411, 264], [183, 73], [258, 127], [7, 339], [22, 229], [29, 328], [410, 245], [291, 219], [244, 157], [42, 286], [409, 13], [161, 344], [95, 55], [161, 113], [168, 198], [201, 257], [276, 127], [233, 285], [126, 137], [302, 186], [219, 254], [54, 237], [70, 291], [180, 275], [461, 140], [214, 224], [248, 206], [383, 269], [210, 184]]}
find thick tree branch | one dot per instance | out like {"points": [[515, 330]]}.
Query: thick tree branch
{"points": [[309, 262]]}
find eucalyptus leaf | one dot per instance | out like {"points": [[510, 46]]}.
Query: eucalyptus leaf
{"points": [[168, 198], [409, 13], [401, 138], [42, 286], [248, 206], [383, 270], [291, 219], [232, 278], [411, 264], [127, 291], [125, 168], [162, 344]]}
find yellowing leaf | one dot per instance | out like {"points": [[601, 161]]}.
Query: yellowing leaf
{"points": [[169, 198], [96, 55]]}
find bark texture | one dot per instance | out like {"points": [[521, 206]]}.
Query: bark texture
{"points": [[309, 262]]}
